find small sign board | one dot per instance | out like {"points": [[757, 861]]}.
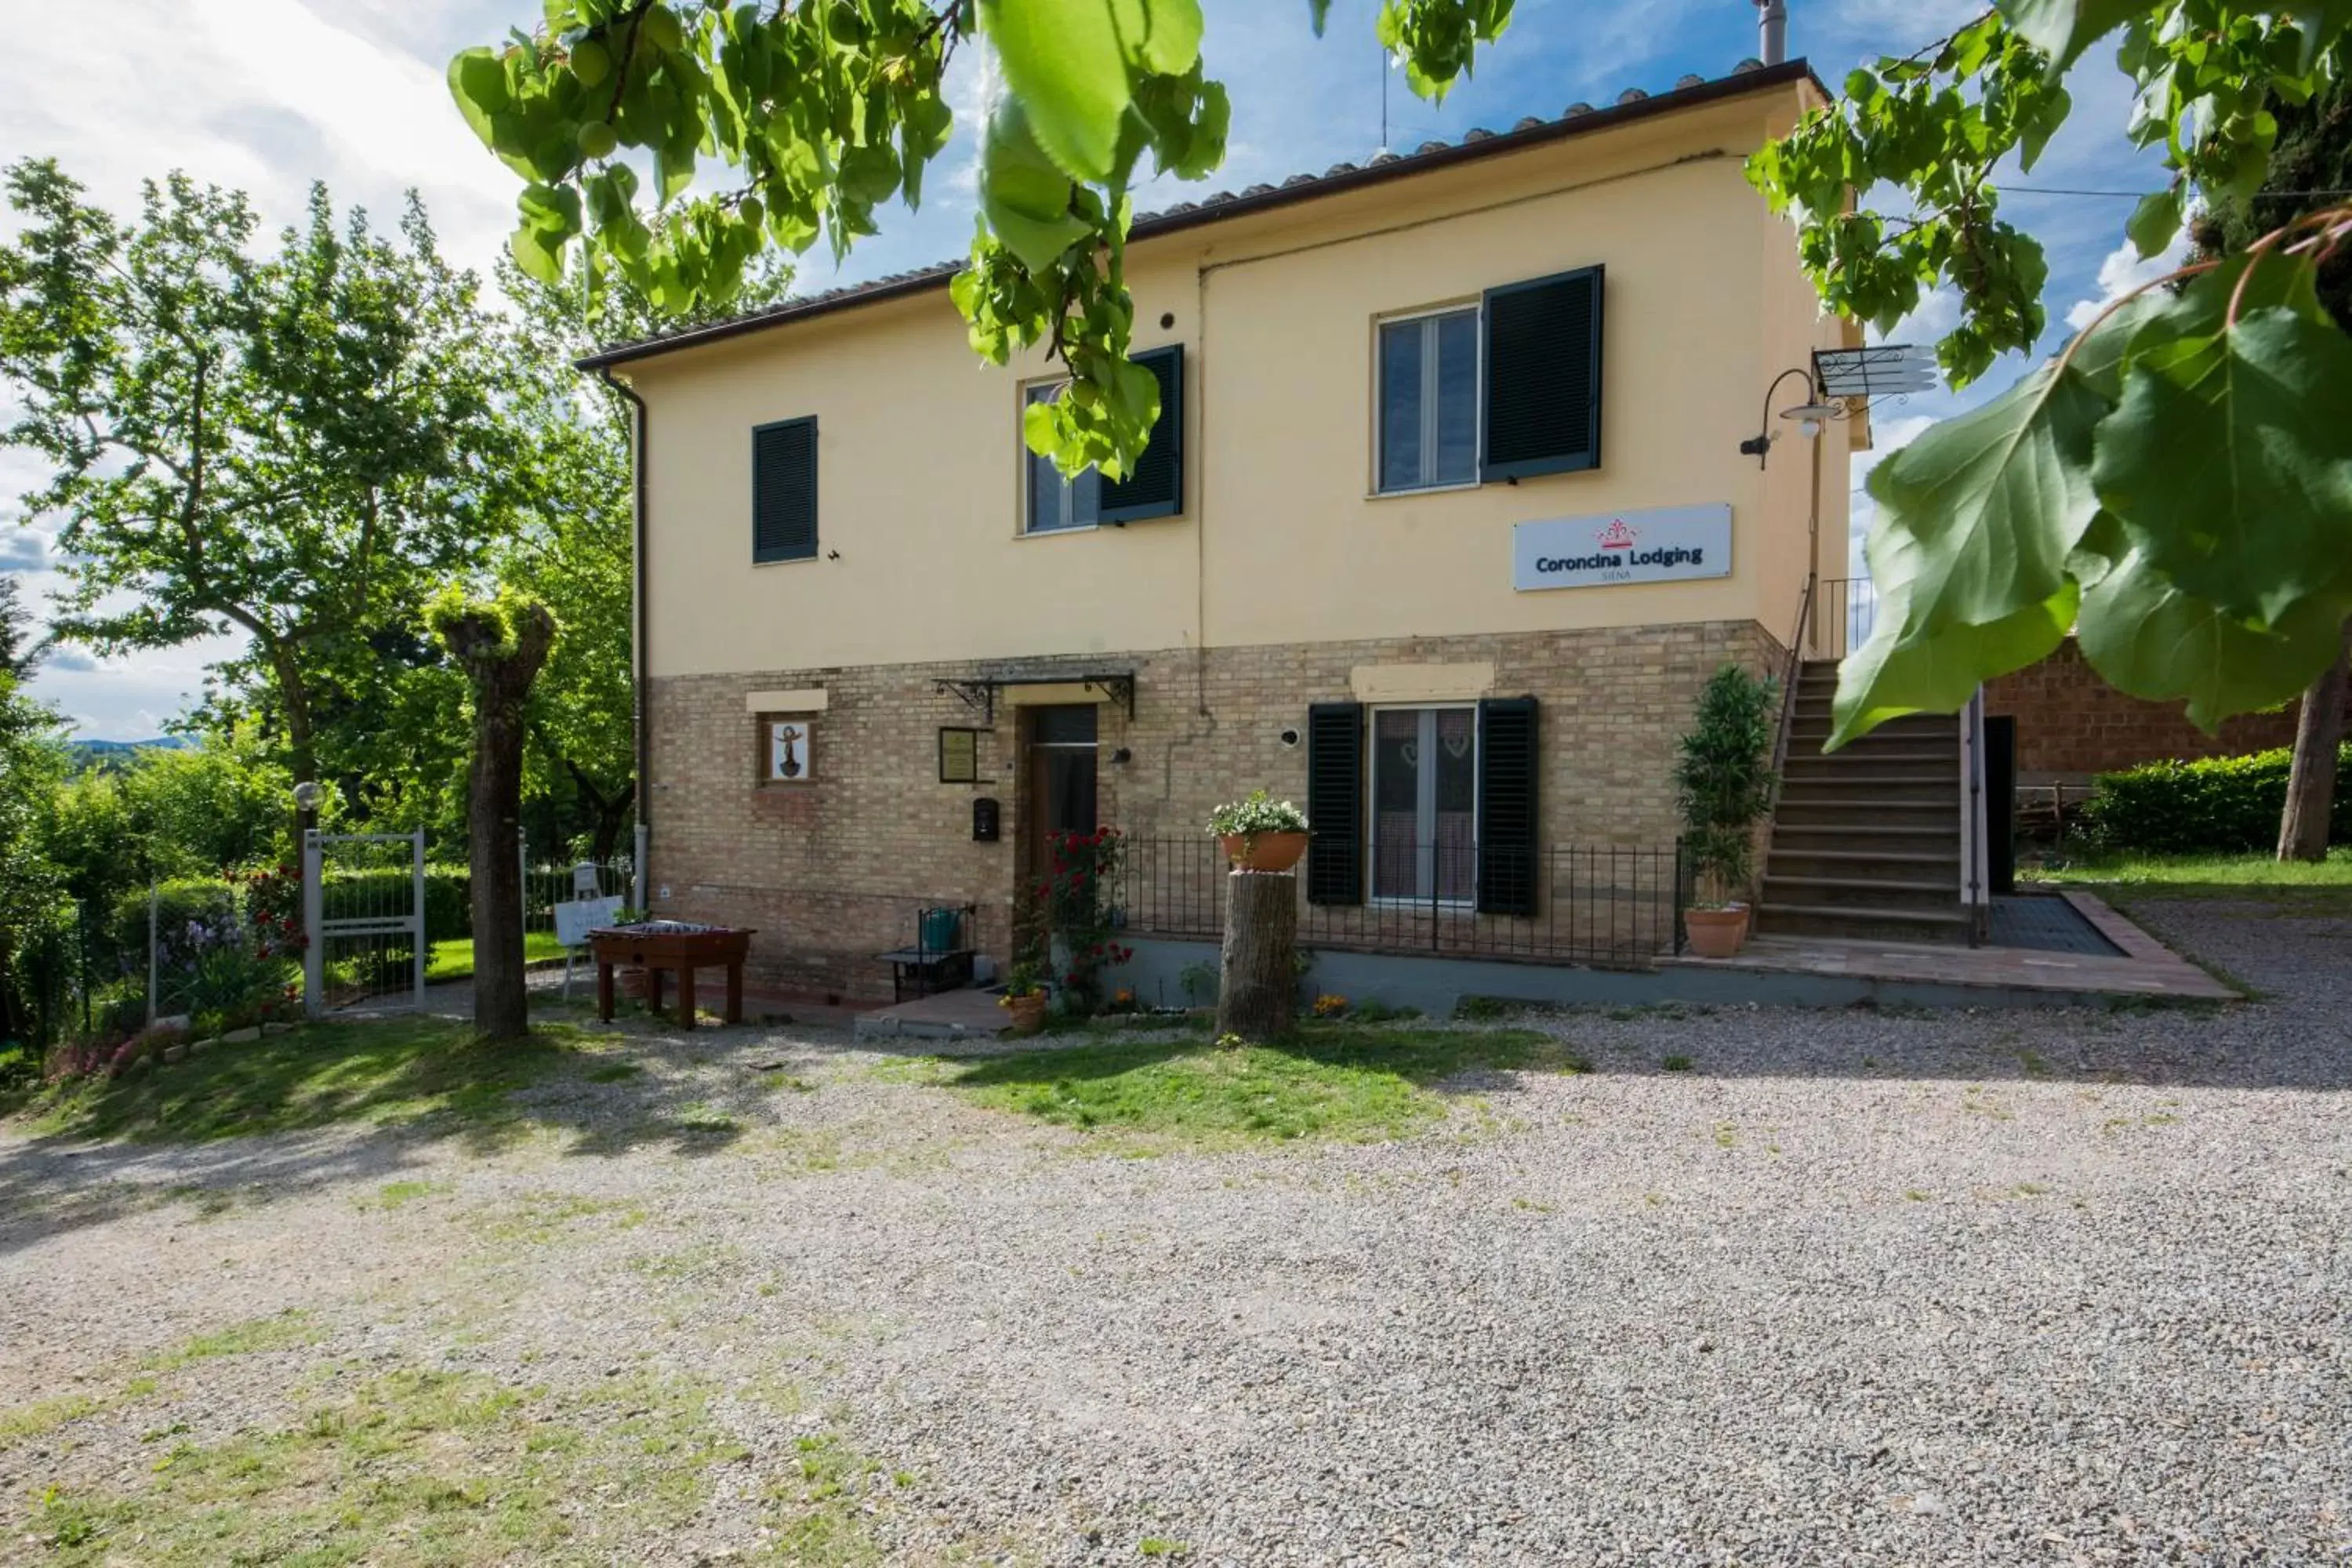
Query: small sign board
{"points": [[576, 917], [1667, 545], [959, 757]]}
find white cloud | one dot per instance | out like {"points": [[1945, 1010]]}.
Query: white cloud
{"points": [[23, 550], [264, 95], [2125, 269]]}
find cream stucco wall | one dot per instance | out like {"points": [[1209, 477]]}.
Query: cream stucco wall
{"points": [[921, 556]]}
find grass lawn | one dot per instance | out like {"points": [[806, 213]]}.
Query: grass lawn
{"points": [[454, 959], [411, 1467], [1336, 1081], [2207, 876], [383, 1071]]}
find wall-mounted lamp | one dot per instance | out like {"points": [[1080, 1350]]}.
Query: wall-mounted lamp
{"points": [[1122, 756], [1812, 413]]}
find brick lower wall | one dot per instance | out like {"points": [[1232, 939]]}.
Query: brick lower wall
{"points": [[2070, 722], [834, 871]]}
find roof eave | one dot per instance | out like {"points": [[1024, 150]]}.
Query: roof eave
{"points": [[1761, 78]]}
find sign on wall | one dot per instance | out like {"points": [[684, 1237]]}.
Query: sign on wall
{"points": [[1665, 544]]}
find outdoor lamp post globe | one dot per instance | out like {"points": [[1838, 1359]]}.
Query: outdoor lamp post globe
{"points": [[306, 797]]}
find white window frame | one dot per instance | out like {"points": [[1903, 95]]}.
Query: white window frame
{"points": [[1476, 311], [1425, 871], [1069, 492]]}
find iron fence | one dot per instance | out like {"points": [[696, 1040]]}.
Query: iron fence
{"points": [[1611, 904]]}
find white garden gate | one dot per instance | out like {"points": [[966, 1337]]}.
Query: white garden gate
{"points": [[363, 914]]}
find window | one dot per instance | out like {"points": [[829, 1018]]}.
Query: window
{"points": [[1425, 803], [791, 746], [1507, 389], [1429, 401], [1436, 803], [1056, 504], [784, 491]]}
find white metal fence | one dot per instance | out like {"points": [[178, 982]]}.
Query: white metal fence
{"points": [[364, 916]]}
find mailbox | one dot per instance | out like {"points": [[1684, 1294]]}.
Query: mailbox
{"points": [[984, 821]]}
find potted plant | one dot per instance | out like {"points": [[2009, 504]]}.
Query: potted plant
{"points": [[1723, 780], [1260, 832], [1025, 998]]}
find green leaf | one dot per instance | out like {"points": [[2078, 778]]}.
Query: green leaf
{"points": [[1318, 12], [2146, 637], [539, 252], [2230, 461], [1024, 197], [2063, 29], [478, 81], [1064, 62], [1161, 36], [2154, 220], [1976, 521]]}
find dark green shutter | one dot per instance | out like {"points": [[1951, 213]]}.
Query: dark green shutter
{"points": [[1156, 489], [1335, 803], [1543, 377], [784, 490], [1509, 868]]}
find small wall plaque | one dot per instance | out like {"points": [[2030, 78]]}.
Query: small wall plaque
{"points": [[960, 756], [790, 743]]}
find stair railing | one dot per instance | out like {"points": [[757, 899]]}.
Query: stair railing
{"points": [[1789, 675]]}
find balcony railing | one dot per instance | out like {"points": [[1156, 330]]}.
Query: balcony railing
{"points": [[1844, 614], [1606, 904]]}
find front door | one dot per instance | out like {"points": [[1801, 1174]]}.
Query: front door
{"points": [[1060, 779]]}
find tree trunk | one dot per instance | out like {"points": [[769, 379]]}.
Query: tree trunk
{"points": [[1257, 991], [501, 677], [2311, 786]]}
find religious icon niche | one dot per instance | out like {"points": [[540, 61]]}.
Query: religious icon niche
{"points": [[789, 748]]}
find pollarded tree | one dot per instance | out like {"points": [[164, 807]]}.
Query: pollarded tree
{"points": [[299, 444], [500, 643]]}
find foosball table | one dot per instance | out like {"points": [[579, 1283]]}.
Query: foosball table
{"points": [[674, 947]]}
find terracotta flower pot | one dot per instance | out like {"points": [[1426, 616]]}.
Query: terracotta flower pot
{"points": [[1264, 851], [1715, 934], [1027, 1013]]}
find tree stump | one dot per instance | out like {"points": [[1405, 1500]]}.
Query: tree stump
{"points": [[1257, 991]]}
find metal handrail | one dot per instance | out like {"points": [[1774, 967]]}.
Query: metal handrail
{"points": [[1794, 668]]}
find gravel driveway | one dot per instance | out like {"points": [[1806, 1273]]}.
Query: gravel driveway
{"points": [[1853, 1286]]}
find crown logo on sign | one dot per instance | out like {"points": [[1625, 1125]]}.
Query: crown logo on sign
{"points": [[1617, 536]]}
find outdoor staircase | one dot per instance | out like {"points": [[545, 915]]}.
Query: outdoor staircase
{"points": [[1866, 840]]}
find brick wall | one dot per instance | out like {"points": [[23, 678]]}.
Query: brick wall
{"points": [[833, 871], [2069, 722]]}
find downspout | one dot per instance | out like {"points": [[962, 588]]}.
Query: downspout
{"points": [[643, 846]]}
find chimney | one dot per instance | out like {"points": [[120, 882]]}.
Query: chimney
{"points": [[1772, 22]]}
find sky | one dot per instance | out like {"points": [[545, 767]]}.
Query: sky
{"points": [[271, 95]]}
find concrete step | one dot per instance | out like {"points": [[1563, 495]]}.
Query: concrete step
{"points": [[1860, 793], [1940, 864], [1937, 817], [1862, 894], [1864, 755], [1844, 844], [1864, 925]]}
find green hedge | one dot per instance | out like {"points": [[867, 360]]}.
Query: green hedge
{"points": [[448, 896], [121, 948], [2223, 806]]}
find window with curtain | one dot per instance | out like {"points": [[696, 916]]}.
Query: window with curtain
{"points": [[1425, 803]]}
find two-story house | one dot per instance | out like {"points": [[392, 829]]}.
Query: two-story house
{"points": [[1445, 521]]}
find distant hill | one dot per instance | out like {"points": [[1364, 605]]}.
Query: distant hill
{"points": [[116, 753]]}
